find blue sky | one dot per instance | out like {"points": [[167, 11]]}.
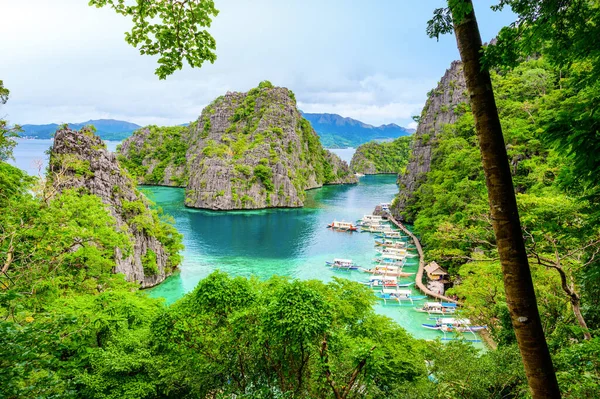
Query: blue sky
{"points": [[67, 62]]}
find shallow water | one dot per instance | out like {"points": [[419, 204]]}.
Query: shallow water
{"points": [[290, 242]]}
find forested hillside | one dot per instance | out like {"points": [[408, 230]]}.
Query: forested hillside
{"points": [[557, 208], [382, 157]]}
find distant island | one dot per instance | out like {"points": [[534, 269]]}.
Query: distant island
{"points": [[335, 131], [106, 129], [382, 157]]}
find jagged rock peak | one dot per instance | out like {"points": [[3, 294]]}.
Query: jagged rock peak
{"points": [[445, 104], [80, 160], [246, 151]]}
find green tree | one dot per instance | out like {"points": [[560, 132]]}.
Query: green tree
{"points": [[169, 29], [518, 284]]}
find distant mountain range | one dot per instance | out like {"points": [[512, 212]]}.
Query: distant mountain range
{"points": [[339, 132], [334, 130], [107, 129]]}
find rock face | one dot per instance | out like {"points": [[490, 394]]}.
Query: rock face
{"points": [[79, 160], [446, 103], [382, 157], [246, 151]]}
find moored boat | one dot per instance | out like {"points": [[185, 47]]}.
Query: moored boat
{"points": [[342, 226], [382, 282], [441, 308], [343, 264], [453, 325], [393, 251], [390, 235], [386, 243], [385, 270], [398, 295], [376, 228]]}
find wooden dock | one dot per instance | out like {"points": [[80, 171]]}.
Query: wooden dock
{"points": [[419, 277]]}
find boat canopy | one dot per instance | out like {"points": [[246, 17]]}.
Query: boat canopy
{"points": [[392, 256], [453, 321], [384, 278], [342, 260], [397, 292]]}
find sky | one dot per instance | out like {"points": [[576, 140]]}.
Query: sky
{"points": [[64, 61]]}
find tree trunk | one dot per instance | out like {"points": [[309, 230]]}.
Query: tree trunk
{"points": [[518, 284], [580, 319]]}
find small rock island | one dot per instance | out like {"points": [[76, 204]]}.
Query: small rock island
{"points": [[249, 150]]}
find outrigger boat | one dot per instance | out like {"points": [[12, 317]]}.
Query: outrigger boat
{"points": [[393, 271], [442, 308], [398, 295], [391, 260], [343, 264], [370, 219], [382, 282], [342, 226], [453, 325], [397, 261], [393, 251], [390, 244], [390, 235], [379, 228]]}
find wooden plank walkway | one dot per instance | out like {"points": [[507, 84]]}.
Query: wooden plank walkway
{"points": [[419, 277], [485, 335]]}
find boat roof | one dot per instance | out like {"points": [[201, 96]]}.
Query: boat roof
{"points": [[392, 256], [388, 278], [395, 291], [386, 267], [451, 320], [339, 260], [433, 304]]}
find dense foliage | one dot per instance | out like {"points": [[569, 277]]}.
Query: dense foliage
{"points": [[451, 215], [171, 30], [382, 157], [159, 149]]}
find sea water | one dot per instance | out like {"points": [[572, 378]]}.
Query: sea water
{"points": [[287, 242]]}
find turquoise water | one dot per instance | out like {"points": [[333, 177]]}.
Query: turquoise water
{"points": [[289, 242]]}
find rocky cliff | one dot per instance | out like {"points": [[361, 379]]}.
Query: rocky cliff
{"points": [[445, 104], [79, 160], [382, 157], [246, 151]]}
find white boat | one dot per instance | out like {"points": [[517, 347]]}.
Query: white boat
{"points": [[442, 308], [398, 295], [385, 270], [387, 243], [382, 282], [342, 226], [390, 262], [393, 251], [391, 235], [343, 264], [453, 325], [371, 218], [376, 229], [391, 257]]}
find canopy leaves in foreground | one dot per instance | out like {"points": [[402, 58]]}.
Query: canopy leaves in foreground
{"points": [[171, 29]]}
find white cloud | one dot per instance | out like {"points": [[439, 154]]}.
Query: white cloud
{"points": [[66, 61], [412, 125]]}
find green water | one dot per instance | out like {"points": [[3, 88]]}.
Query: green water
{"points": [[290, 242]]}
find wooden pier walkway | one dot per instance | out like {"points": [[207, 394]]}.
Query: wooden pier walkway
{"points": [[419, 277]]}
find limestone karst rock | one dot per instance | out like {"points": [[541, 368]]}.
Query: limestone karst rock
{"points": [[446, 103], [80, 160], [246, 151]]}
